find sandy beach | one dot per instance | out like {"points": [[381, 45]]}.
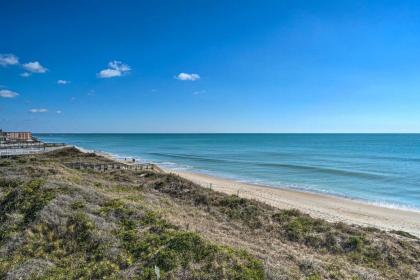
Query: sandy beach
{"points": [[327, 207], [330, 208]]}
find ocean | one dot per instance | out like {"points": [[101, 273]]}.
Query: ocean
{"points": [[382, 169]]}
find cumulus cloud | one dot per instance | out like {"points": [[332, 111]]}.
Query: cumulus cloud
{"points": [[63, 82], [38, 110], [30, 67], [187, 77], [115, 69], [5, 93], [109, 73], [35, 67], [8, 59]]}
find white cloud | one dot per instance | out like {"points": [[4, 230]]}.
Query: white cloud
{"points": [[35, 67], [63, 82], [187, 77], [8, 59], [58, 111], [109, 73], [25, 74], [116, 69], [5, 93], [118, 65], [38, 110]]}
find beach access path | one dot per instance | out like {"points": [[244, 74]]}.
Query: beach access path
{"points": [[27, 149]]}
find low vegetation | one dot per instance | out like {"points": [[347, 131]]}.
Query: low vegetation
{"points": [[61, 223]]}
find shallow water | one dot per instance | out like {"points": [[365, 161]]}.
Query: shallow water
{"points": [[379, 168]]}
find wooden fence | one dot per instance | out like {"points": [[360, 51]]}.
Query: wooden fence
{"points": [[103, 167]]}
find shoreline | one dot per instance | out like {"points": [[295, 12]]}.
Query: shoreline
{"points": [[324, 206]]}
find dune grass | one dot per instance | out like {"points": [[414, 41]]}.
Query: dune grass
{"points": [[52, 231], [60, 223]]}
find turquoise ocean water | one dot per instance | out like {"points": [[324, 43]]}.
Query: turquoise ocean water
{"points": [[378, 168]]}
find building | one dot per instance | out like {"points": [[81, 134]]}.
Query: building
{"points": [[18, 136], [13, 136]]}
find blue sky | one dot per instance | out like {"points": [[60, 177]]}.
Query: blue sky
{"points": [[210, 66]]}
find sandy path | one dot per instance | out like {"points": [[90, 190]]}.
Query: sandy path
{"points": [[321, 206]]}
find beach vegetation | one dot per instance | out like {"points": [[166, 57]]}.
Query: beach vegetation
{"points": [[78, 204], [51, 232], [5, 163], [22, 160], [123, 224], [404, 233]]}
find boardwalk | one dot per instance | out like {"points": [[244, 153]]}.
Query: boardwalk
{"points": [[103, 167], [16, 149]]}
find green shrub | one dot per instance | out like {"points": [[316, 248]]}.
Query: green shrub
{"points": [[9, 184], [240, 209], [77, 205], [331, 242], [286, 215], [295, 230], [314, 277], [201, 199], [4, 163], [355, 243], [25, 199], [403, 233], [80, 228], [22, 160]]}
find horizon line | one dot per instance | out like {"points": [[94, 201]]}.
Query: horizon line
{"points": [[226, 132]]}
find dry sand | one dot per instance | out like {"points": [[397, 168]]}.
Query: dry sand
{"points": [[327, 207]]}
